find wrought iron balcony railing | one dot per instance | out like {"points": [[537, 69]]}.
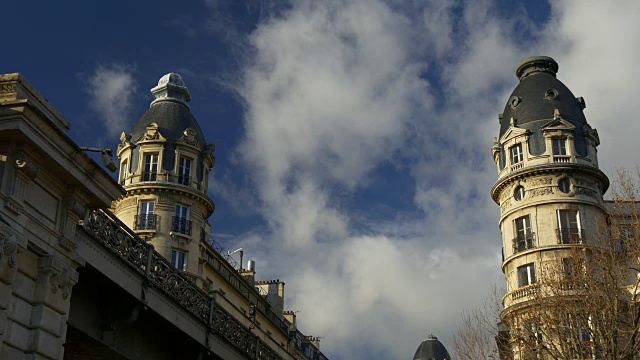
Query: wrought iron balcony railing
{"points": [[146, 222], [149, 176], [184, 180], [570, 236], [181, 225], [119, 240], [524, 242]]}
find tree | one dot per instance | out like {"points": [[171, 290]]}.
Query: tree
{"points": [[479, 331], [586, 302]]}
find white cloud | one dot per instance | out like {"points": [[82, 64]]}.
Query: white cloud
{"points": [[594, 44], [336, 89], [111, 89]]}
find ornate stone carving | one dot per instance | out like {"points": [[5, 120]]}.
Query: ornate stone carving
{"points": [[63, 281], [126, 203], [541, 191], [586, 192], [152, 134], [586, 182], [8, 88], [164, 199], [59, 276], [8, 244], [540, 181], [188, 138], [27, 167]]}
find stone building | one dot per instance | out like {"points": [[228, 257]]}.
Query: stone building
{"points": [[549, 186], [96, 268]]}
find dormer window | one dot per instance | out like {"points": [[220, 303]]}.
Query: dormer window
{"points": [[150, 167], [516, 154], [124, 170], [559, 146], [184, 171]]}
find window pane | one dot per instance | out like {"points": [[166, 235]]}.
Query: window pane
{"points": [[564, 185], [516, 154], [559, 146]]}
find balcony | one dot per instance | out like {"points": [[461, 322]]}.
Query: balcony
{"points": [[146, 222], [524, 242], [149, 176], [181, 225], [569, 236], [561, 158], [182, 179]]}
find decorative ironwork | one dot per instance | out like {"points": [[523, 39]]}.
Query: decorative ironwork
{"points": [[184, 180], [125, 244], [116, 237], [181, 225], [146, 222], [570, 236], [524, 242], [150, 176]]}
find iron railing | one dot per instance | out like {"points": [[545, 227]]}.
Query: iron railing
{"points": [[181, 225], [123, 243], [146, 222], [524, 242], [183, 180], [570, 236], [150, 176]]}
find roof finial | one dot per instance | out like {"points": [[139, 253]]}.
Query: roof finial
{"points": [[171, 87], [536, 64]]}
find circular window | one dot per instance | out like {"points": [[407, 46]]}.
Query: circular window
{"points": [[514, 101], [564, 185], [551, 94], [519, 193]]}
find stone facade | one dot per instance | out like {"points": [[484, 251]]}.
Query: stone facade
{"points": [[78, 282], [549, 193]]}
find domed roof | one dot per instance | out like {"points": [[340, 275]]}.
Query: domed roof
{"points": [[171, 113], [431, 349], [537, 98]]}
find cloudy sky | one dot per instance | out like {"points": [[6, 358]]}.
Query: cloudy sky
{"points": [[352, 136]]}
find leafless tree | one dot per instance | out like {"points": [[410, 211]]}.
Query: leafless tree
{"points": [[478, 331], [586, 302]]}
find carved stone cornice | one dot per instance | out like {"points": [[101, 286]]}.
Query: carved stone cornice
{"points": [[597, 174]]}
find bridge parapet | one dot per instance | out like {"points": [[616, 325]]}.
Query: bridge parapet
{"points": [[155, 270]]}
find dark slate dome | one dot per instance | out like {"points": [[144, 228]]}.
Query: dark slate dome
{"points": [[171, 113], [431, 349], [535, 100]]}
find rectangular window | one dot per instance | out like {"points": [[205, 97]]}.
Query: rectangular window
{"points": [[124, 170], [181, 222], [146, 217], [179, 260], [184, 171], [150, 167], [524, 236], [569, 231], [526, 275], [559, 146], [516, 154]]}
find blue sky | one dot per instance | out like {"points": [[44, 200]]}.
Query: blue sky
{"points": [[352, 137]]}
